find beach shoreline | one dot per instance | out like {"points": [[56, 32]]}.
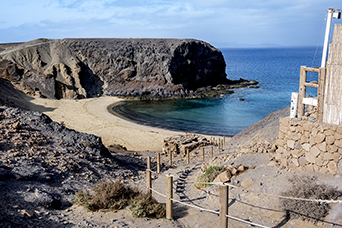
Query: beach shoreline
{"points": [[92, 116]]}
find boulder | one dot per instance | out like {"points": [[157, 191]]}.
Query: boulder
{"points": [[223, 177], [47, 200], [246, 183]]}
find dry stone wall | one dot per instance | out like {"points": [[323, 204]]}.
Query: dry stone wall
{"points": [[310, 146]]}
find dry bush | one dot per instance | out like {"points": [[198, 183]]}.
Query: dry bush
{"points": [[307, 188], [107, 195], [145, 206], [115, 196]]}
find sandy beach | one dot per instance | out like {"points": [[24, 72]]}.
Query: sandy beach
{"points": [[91, 116]]}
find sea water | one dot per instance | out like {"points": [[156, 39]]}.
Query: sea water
{"points": [[277, 71]]}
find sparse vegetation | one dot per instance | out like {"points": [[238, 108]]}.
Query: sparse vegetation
{"points": [[209, 174], [144, 205], [307, 187], [115, 196]]}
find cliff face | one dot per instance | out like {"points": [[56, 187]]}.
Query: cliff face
{"points": [[79, 68]]}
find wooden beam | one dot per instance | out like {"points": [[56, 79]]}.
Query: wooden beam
{"points": [[302, 91], [320, 93]]}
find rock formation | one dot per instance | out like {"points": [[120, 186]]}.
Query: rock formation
{"points": [[179, 144], [80, 68]]}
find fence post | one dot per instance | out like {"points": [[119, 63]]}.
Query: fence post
{"points": [[219, 146], [187, 156], [170, 158], [148, 177], [202, 154], [211, 152], [224, 196], [158, 162], [169, 196], [302, 91]]}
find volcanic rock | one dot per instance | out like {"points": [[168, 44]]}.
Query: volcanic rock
{"points": [[145, 68]]}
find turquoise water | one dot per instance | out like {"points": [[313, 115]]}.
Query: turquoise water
{"points": [[277, 71]]}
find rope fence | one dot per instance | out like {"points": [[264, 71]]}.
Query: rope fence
{"points": [[272, 195], [223, 192]]}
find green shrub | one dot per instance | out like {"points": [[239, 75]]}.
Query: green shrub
{"points": [[209, 174]]}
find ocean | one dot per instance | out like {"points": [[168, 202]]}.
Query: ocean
{"points": [[277, 71]]}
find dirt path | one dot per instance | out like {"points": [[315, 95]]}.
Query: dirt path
{"points": [[249, 204]]}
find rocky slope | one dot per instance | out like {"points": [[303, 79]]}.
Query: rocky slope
{"points": [[80, 68], [43, 164]]}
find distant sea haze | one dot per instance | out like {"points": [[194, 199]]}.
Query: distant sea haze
{"points": [[276, 69]]}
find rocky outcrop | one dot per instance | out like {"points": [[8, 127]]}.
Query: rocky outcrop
{"points": [[179, 144], [43, 164], [145, 68]]}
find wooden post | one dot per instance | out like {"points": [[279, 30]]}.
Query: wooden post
{"points": [[158, 162], [320, 93], [211, 152], [302, 91], [169, 196], [148, 162], [219, 147], [187, 156], [224, 139], [202, 154], [170, 158], [224, 196], [148, 177]]}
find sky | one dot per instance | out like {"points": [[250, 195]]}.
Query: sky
{"points": [[223, 23]]}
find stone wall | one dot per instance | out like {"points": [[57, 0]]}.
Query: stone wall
{"points": [[310, 146]]}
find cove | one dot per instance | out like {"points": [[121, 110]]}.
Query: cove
{"points": [[276, 69]]}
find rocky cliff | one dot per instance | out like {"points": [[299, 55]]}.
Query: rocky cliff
{"points": [[80, 68]]}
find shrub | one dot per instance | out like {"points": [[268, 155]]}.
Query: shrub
{"points": [[306, 187], [116, 196], [107, 195], [209, 174], [145, 206]]}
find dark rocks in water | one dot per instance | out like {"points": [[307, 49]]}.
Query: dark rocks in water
{"points": [[144, 68]]}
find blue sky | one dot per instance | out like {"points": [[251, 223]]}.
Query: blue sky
{"points": [[223, 23]]}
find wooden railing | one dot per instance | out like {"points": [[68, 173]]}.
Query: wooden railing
{"points": [[320, 84]]}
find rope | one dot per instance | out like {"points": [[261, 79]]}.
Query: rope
{"points": [[157, 192], [250, 223], [162, 174], [197, 207], [319, 40], [212, 183], [208, 210], [267, 194]]}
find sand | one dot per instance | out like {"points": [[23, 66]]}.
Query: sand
{"points": [[91, 116]]}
